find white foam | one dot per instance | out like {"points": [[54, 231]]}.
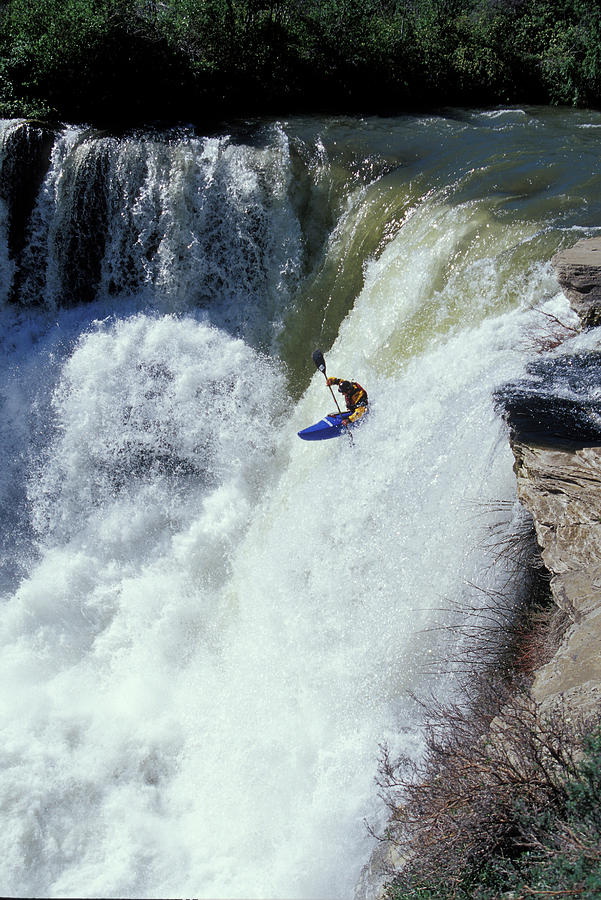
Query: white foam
{"points": [[219, 622]]}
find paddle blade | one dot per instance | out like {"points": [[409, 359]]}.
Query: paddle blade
{"points": [[319, 361]]}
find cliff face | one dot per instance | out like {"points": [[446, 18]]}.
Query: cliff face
{"points": [[562, 490], [558, 470]]}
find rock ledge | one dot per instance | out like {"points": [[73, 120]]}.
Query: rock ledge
{"points": [[578, 271]]}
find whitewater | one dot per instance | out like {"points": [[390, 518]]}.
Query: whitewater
{"points": [[208, 626]]}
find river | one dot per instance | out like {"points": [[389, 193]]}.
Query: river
{"points": [[208, 626]]}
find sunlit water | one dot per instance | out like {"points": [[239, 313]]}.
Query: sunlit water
{"points": [[209, 626]]}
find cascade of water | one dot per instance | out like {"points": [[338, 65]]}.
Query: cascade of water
{"points": [[215, 623], [177, 222]]}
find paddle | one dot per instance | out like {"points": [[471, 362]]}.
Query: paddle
{"points": [[321, 365]]}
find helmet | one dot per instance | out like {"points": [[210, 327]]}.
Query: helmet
{"points": [[345, 387]]}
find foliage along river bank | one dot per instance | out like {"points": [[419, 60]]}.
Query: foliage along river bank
{"points": [[124, 62]]}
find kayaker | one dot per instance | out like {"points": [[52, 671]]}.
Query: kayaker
{"points": [[354, 395]]}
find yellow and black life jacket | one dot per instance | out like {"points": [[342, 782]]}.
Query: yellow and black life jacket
{"points": [[356, 397]]}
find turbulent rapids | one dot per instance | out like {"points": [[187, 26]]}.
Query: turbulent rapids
{"points": [[208, 627]]}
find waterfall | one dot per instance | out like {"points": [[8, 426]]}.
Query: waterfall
{"points": [[209, 626]]}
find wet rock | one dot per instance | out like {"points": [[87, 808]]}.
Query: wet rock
{"points": [[24, 161], [557, 403]]}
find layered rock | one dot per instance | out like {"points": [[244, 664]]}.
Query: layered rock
{"points": [[562, 489], [578, 271], [556, 442]]}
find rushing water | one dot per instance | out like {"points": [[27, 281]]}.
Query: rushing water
{"points": [[209, 626]]}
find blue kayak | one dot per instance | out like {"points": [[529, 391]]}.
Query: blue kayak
{"points": [[329, 427]]}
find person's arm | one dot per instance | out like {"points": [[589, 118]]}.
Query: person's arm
{"points": [[356, 414]]}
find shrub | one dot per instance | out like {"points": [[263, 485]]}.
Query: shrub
{"points": [[516, 807]]}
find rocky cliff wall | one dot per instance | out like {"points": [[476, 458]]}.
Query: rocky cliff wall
{"points": [[562, 490], [558, 470]]}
